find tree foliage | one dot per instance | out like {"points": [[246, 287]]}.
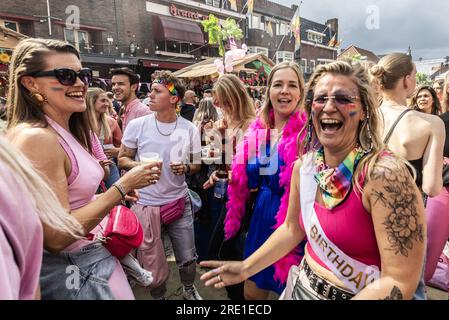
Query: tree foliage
{"points": [[219, 34], [423, 79]]}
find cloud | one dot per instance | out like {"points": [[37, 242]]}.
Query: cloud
{"points": [[422, 25]]}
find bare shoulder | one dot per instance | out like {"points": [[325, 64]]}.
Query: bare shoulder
{"points": [[297, 165], [436, 123], [34, 140], [29, 135], [387, 167], [389, 180], [430, 121]]}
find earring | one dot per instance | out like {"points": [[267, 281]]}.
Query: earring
{"points": [[309, 134], [370, 136], [40, 98]]}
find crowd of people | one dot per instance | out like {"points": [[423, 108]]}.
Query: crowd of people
{"points": [[334, 189]]}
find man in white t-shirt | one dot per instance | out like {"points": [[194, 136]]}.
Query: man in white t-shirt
{"points": [[177, 143]]}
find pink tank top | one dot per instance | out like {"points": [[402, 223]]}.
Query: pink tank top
{"points": [[86, 173], [83, 182], [349, 226]]}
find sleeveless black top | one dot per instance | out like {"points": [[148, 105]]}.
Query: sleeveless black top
{"points": [[417, 164]]}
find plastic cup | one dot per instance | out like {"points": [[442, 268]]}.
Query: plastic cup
{"points": [[149, 157], [108, 146]]}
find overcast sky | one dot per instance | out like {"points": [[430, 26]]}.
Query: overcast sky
{"points": [[421, 24]]}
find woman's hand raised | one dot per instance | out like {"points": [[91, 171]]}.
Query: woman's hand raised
{"points": [[225, 273]]}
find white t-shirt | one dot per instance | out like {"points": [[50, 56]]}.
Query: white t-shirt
{"points": [[143, 135]]}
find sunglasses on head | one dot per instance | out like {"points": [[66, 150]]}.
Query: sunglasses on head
{"points": [[66, 76], [340, 99]]}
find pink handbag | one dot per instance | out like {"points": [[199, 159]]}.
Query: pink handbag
{"points": [[173, 211], [123, 232]]}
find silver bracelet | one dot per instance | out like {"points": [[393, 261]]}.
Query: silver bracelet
{"points": [[120, 189]]}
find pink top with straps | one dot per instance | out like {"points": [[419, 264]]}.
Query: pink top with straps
{"points": [[350, 227], [81, 187], [83, 182]]}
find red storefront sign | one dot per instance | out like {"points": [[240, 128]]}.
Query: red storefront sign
{"points": [[186, 13], [164, 65]]}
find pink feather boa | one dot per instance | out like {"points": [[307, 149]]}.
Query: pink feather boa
{"points": [[238, 187]]}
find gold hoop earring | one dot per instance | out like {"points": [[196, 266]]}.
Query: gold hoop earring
{"points": [[40, 98]]}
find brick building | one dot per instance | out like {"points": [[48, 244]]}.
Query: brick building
{"points": [[143, 35], [365, 55], [269, 32], [147, 35]]}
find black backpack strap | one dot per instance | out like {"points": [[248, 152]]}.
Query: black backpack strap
{"points": [[390, 133]]}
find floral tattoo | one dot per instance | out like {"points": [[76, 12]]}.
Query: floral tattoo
{"points": [[399, 198]]}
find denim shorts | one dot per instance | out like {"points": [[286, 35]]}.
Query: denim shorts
{"points": [[79, 275]]}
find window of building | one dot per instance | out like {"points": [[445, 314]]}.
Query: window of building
{"points": [[255, 23], [216, 3], [312, 66], [185, 48], [314, 37], [78, 38], [209, 2], [304, 66], [282, 56], [281, 29], [172, 46], [12, 25], [258, 50]]}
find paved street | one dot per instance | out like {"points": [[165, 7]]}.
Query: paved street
{"points": [[174, 287]]}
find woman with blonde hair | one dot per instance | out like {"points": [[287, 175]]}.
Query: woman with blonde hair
{"points": [[205, 113], [362, 243], [230, 96], [264, 174], [48, 123], [415, 136], [105, 128], [25, 198]]}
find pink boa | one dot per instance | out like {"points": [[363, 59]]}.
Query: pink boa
{"points": [[238, 188]]}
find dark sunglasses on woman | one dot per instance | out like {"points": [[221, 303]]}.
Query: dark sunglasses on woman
{"points": [[340, 99], [66, 76]]}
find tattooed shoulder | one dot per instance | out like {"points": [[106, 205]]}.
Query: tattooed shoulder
{"points": [[396, 193], [395, 294]]}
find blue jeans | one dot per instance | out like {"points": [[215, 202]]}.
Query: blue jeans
{"points": [[114, 175], [80, 275]]}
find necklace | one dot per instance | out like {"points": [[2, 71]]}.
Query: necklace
{"points": [[163, 134]]}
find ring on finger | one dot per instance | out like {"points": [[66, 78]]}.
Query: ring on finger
{"points": [[219, 278]]}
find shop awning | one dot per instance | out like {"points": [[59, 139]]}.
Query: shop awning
{"points": [[253, 61], [167, 28]]}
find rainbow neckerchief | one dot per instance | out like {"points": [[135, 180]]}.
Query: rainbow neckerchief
{"points": [[335, 183], [169, 85]]}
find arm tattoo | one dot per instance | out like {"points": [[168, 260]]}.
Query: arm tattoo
{"points": [[395, 294], [399, 198]]}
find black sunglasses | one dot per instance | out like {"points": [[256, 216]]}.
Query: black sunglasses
{"points": [[66, 76]]}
